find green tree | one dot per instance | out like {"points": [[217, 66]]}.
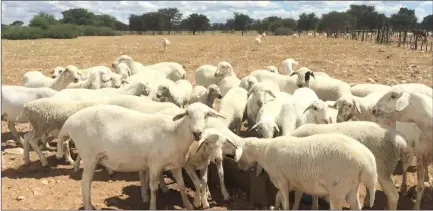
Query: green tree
{"points": [[105, 20], [197, 22], [404, 19], [172, 16], [427, 22], [242, 22], [78, 16], [43, 20], [136, 23], [17, 23]]}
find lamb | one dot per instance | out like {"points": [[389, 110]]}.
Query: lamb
{"points": [[13, 100], [205, 75], [165, 42], [405, 105], [362, 90], [225, 73], [204, 95], [103, 71], [93, 81], [232, 107], [137, 89], [56, 72], [178, 93], [258, 40], [116, 81], [284, 82], [288, 65], [273, 69], [144, 140], [247, 82], [258, 95], [122, 69], [133, 66], [386, 144], [36, 79], [200, 155], [285, 159], [326, 88]]}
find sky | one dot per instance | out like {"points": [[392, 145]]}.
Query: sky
{"points": [[217, 11]]}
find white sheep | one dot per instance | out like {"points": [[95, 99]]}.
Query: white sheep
{"points": [[232, 107], [258, 40], [312, 164], [134, 67], [37, 79], [387, 145], [205, 75], [94, 80], [284, 82], [204, 95], [225, 73], [258, 95], [116, 81], [165, 42], [57, 70], [247, 82], [103, 71], [325, 87], [362, 90], [288, 65], [273, 69], [417, 87], [200, 155], [178, 93], [405, 105], [122, 69], [13, 100], [140, 148], [294, 36]]}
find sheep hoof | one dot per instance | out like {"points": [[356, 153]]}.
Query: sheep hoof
{"points": [[205, 205], [70, 161]]}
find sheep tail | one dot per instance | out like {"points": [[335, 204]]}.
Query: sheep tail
{"points": [[369, 178], [21, 115]]}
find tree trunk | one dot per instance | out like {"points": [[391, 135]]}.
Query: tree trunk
{"points": [[193, 32], [416, 42], [387, 35], [378, 35], [404, 37], [242, 32], [399, 37], [363, 33]]}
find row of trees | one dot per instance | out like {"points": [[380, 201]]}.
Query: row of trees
{"points": [[82, 22]]}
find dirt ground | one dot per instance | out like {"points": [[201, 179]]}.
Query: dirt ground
{"points": [[56, 187]]}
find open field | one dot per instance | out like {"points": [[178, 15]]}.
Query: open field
{"points": [[58, 188]]}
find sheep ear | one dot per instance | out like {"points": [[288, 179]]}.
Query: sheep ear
{"points": [[179, 116], [310, 106], [254, 127], [312, 74], [270, 93], [238, 154], [215, 114], [259, 170], [402, 102], [277, 129], [295, 62], [330, 120], [333, 106], [231, 143], [294, 73], [199, 146], [356, 104]]}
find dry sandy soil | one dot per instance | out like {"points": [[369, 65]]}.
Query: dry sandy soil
{"points": [[57, 187]]}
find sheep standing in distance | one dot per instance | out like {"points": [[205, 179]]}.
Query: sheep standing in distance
{"points": [[325, 87], [36, 79], [399, 104], [165, 42], [204, 95], [362, 90], [328, 156], [98, 140], [13, 99], [258, 40], [232, 107], [227, 77], [294, 36], [272, 69], [200, 155], [178, 93], [205, 75], [288, 65], [387, 145]]}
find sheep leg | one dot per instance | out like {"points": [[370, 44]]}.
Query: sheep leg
{"points": [[367, 198], [153, 184], [162, 184], [421, 165], [204, 188], [144, 186], [388, 187], [77, 163], [204, 176], [315, 205], [34, 144], [298, 196], [26, 146], [335, 202], [197, 184], [87, 178], [219, 165], [353, 199], [285, 198], [277, 200], [59, 152], [16, 137], [68, 156], [406, 160], [177, 173]]}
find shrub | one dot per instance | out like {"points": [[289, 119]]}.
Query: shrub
{"points": [[62, 31], [96, 31], [284, 31], [22, 33]]}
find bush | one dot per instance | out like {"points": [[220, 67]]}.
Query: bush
{"points": [[62, 31], [22, 33], [96, 31], [284, 31]]}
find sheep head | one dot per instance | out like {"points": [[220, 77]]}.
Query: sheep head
{"points": [[71, 71], [223, 69], [266, 128], [318, 113], [214, 92], [347, 106], [259, 92], [198, 114], [393, 104], [303, 74]]}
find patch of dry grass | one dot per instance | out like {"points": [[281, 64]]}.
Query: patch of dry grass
{"points": [[352, 61]]}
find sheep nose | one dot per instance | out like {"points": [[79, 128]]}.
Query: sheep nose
{"points": [[326, 121], [197, 135], [53, 76], [220, 96], [374, 111], [300, 85], [215, 75]]}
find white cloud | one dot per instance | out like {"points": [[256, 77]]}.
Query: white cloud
{"points": [[217, 11]]}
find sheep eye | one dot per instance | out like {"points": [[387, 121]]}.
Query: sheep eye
{"points": [[350, 106], [315, 108], [393, 96]]}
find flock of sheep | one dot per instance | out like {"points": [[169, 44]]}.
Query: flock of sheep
{"points": [[315, 134]]}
